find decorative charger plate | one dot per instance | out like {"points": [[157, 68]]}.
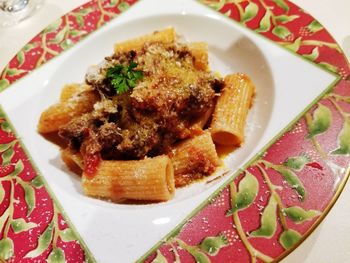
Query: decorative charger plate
{"points": [[275, 190]]}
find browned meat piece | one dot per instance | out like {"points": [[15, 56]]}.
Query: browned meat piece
{"points": [[148, 119]]}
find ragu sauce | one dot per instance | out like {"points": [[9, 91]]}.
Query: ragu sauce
{"points": [[91, 162]]}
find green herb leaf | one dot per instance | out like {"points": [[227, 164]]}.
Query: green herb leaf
{"points": [[299, 215], [344, 140], [56, 256], [6, 248], [289, 238], [19, 225], [212, 245], [321, 121], [268, 221], [297, 163], [123, 77], [248, 190]]}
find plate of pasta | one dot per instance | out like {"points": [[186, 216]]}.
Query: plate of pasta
{"points": [[140, 125], [148, 119]]}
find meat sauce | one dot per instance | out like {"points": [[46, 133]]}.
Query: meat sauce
{"points": [[148, 119]]}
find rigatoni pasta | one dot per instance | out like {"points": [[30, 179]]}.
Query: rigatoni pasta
{"points": [[148, 118], [75, 101], [163, 36], [229, 118], [194, 158], [150, 179]]}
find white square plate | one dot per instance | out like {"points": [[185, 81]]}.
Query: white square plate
{"points": [[286, 85]]}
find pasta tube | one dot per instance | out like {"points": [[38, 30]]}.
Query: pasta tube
{"points": [[231, 110], [199, 50], [165, 36], [194, 158], [150, 179], [71, 105], [74, 161]]}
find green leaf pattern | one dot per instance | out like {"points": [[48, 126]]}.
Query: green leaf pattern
{"points": [[19, 225], [313, 55], [268, 224], [292, 179], [159, 258], [6, 248], [282, 4], [247, 191], [54, 26], [286, 19], [197, 254], [322, 118], [265, 22], [250, 12], [67, 235], [297, 163], [2, 195], [29, 196], [43, 242], [295, 45], [7, 156], [344, 140], [212, 245], [314, 26], [18, 169], [289, 238], [281, 32], [56, 256], [299, 215]]}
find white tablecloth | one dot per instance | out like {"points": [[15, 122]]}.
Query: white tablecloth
{"points": [[330, 242]]}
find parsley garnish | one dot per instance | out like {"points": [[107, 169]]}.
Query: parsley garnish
{"points": [[124, 77]]}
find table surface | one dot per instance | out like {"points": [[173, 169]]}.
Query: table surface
{"points": [[330, 242]]}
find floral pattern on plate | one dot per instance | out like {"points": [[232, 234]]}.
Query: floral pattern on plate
{"points": [[260, 215]]}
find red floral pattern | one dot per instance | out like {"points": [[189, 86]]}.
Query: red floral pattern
{"points": [[276, 192]]}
